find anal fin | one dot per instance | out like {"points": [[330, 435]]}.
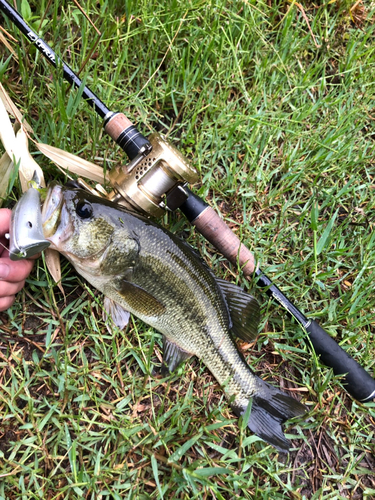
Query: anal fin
{"points": [[172, 356], [244, 310]]}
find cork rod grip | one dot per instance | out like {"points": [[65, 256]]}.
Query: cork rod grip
{"points": [[215, 230], [117, 125], [127, 136]]}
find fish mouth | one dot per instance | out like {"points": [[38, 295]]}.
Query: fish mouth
{"points": [[55, 218]]}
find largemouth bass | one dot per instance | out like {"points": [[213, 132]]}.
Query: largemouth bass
{"points": [[142, 268]]}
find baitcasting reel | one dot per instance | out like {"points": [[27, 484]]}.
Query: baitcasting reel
{"points": [[152, 183], [157, 170]]}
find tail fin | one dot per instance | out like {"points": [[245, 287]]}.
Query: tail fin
{"points": [[270, 409]]}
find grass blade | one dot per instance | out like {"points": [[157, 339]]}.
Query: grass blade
{"points": [[323, 240], [72, 163]]}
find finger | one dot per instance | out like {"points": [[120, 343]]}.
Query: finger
{"points": [[5, 215], [4, 244], [6, 302], [7, 288], [14, 271]]}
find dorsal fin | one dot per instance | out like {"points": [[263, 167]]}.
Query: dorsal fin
{"points": [[244, 310]]}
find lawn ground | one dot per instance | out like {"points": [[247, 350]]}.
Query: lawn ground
{"points": [[273, 103]]}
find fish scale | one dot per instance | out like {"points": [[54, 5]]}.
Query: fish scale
{"points": [[144, 269]]}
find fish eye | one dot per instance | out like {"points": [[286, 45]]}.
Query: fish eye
{"points": [[84, 210]]}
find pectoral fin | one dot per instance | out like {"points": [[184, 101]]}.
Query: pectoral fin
{"points": [[118, 315], [139, 300], [244, 310], [172, 356]]}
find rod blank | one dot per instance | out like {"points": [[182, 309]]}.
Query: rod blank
{"points": [[52, 58], [128, 137]]}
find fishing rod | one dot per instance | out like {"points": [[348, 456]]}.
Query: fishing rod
{"points": [[156, 179]]}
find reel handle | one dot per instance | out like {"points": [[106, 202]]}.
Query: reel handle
{"points": [[356, 380]]}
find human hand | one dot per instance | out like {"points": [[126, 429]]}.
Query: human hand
{"points": [[12, 273]]}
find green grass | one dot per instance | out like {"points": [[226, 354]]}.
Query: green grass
{"points": [[282, 134]]}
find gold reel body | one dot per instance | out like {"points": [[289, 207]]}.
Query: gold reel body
{"points": [[146, 181]]}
